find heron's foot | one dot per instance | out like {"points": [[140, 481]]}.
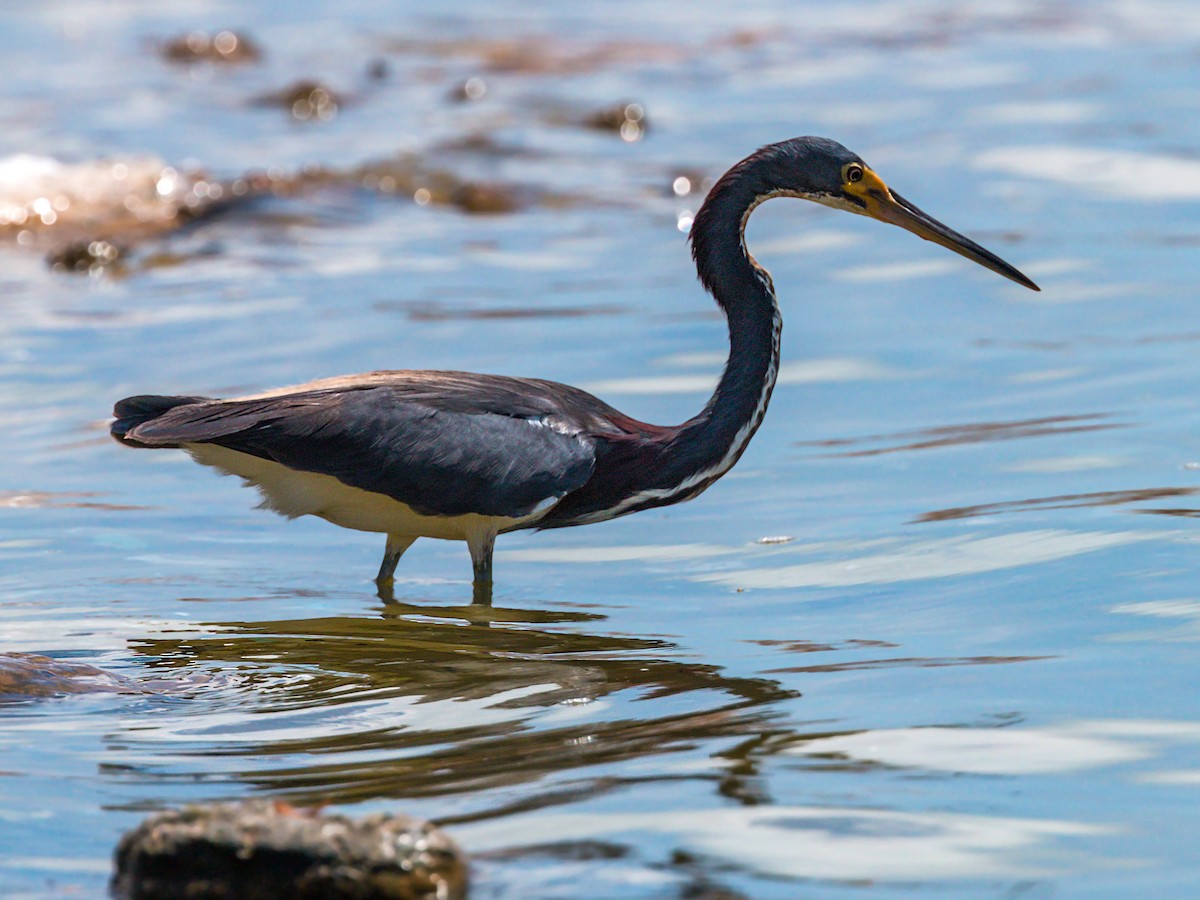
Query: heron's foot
{"points": [[386, 589], [481, 592], [481, 546], [384, 581]]}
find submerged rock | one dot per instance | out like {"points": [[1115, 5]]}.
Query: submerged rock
{"points": [[378, 69], [264, 850], [412, 177], [26, 675], [306, 100], [85, 256], [54, 203], [544, 55], [474, 88], [626, 119], [485, 197], [222, 47]]}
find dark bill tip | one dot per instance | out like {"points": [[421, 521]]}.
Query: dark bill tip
{"points": [[899, 211]]}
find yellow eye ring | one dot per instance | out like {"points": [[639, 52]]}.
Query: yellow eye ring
{"points": [[854, 173]]}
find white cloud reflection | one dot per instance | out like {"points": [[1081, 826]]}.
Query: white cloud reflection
{"points": [[982, 751], [1182, 618], [818, 842], [881, 561], [627, 553], [1173, 778], [941, 558], [900, 271], [1117, 173], [1052, 112], [1013, 751], [853, 843], [1056, 465]]}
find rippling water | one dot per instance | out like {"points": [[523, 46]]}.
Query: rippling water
{"points": [[935, 633]]}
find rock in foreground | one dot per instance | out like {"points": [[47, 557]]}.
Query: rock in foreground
{"points": [[264, 850]]}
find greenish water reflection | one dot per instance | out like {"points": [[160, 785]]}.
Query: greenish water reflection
{"points": [[432, 700]]}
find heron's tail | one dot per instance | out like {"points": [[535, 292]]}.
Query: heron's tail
{"points": [[134, 411]]}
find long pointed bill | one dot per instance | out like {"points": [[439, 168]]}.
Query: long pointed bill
{"points": [[888, 206], [898, 211]]}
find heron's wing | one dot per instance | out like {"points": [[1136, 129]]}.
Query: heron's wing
{"points": [[468, 392], [440, 449]]}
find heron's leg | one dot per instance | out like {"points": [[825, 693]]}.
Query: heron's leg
{"points": [[481, 545], [396, 545]]}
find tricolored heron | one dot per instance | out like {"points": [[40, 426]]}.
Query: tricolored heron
{"points": [[466, 457]]}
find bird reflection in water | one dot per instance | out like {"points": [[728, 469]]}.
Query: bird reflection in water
{"points": [[428, 701]]}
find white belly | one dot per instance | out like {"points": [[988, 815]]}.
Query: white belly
{"points": [[293, 493]]}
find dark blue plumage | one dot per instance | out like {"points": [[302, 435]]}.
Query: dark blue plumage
{"points": [[441, 455]]}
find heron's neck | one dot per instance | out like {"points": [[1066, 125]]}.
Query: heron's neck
{"points": [[689, 457], [712, 441]]}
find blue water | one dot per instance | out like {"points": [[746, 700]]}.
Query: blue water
{"points": [[963, 664]]}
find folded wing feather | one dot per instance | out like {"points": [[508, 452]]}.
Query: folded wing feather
{"points": [[442, 450]]}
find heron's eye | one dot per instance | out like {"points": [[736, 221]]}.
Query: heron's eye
{"points": [[854, 173]]}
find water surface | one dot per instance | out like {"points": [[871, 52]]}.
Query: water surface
{"points": [[935, 634]]}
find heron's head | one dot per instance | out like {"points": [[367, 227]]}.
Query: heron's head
{"points": [[824, 171]]}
